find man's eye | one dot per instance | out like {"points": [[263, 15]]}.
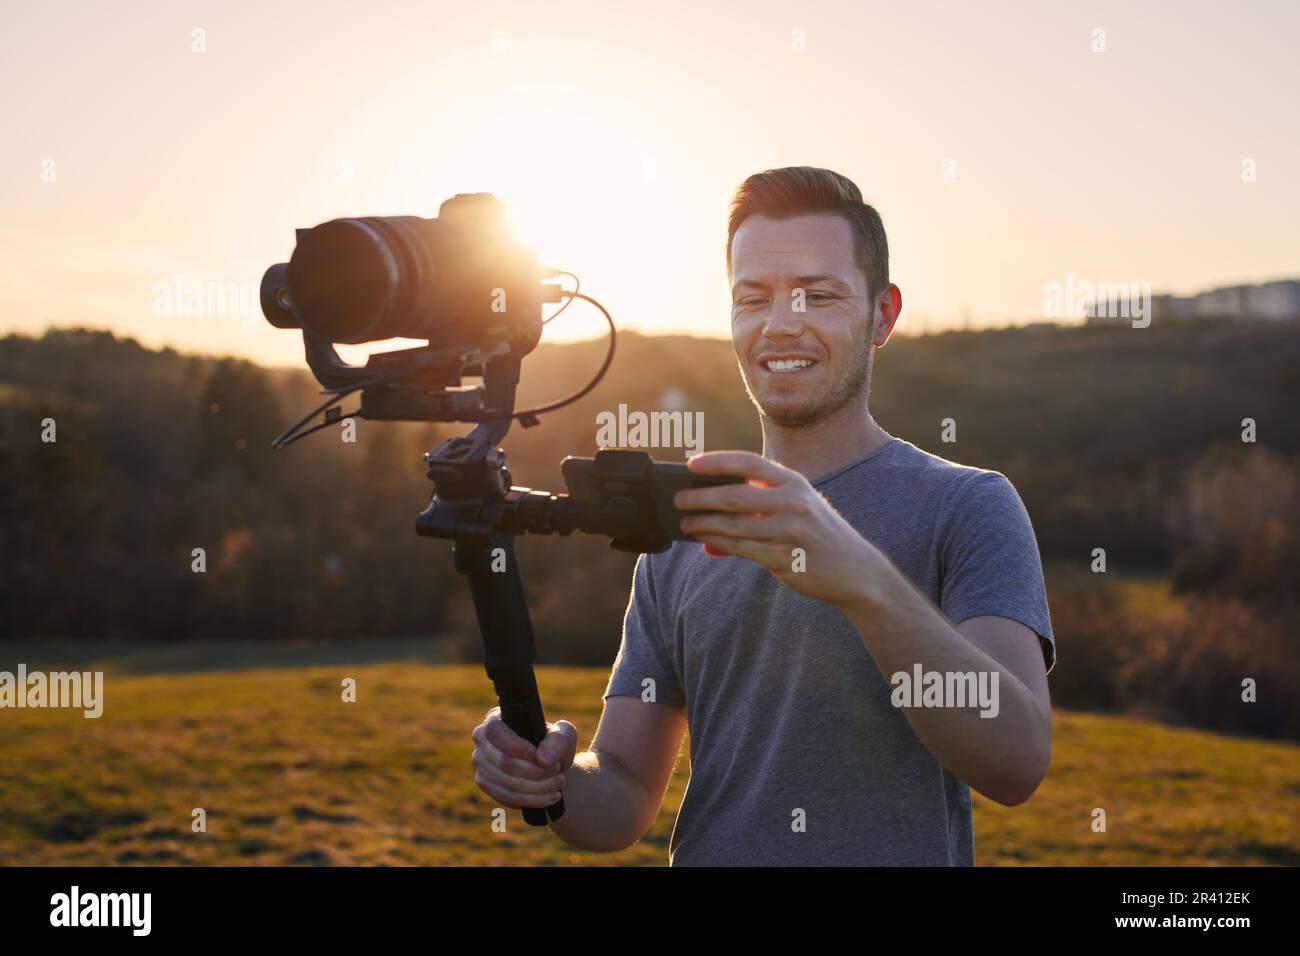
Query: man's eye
{"points": [[753, 300], [821, 297]]}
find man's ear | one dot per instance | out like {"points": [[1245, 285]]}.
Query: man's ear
{"points": [[888, 305]]}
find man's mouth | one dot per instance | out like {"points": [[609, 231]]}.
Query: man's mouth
{"points": [[787, 366]]}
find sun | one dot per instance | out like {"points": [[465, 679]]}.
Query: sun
{"points": [[598, 180]]}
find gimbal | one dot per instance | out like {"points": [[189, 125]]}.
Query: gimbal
{"points": [[475, 506], [442, 279]]}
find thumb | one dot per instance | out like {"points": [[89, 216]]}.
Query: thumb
{"points": [[557, 749]]}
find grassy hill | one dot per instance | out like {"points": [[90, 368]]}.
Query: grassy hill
{"points": [[289, 774]]}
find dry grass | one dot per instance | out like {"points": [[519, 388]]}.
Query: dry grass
{"points": [[289, 774]]}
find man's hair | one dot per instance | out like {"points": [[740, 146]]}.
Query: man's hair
{"points": [[801, 190]]}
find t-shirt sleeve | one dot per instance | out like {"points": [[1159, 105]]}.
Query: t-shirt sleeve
{"points": [[990, 561], [643, 655]]}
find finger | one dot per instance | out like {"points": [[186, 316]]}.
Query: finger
{"points": [[752, 499], [507, 782], [513, 766], [759, 552], [507, 741], [558, 746], [755, 527], [510, 798], [747, 464]]}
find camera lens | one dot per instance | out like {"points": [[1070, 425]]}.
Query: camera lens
{"points": [[352, 278], [457, 280], [276, 303]]}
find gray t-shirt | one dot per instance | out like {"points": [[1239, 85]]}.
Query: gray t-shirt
{"points": [[798, 757]]}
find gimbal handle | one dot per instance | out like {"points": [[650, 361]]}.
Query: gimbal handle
{"points": [[509, 649]]}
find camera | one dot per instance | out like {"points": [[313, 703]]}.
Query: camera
{"points": [[459, 279]]}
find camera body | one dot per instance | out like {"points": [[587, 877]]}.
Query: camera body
{"points": [[459, 280]]}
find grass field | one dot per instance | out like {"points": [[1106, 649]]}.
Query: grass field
{"points": [[289, 774]]}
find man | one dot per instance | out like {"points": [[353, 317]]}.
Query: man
{"points": [[864, 634]]}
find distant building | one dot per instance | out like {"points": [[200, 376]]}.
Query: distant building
{"points": [[1173, 307], [1274, 300], [1277, 301]]}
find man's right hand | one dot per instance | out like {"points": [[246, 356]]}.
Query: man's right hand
{"points": [[512, 771]]}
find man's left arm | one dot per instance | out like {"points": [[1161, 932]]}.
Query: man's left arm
{"points": [[1004, 757], [777, 511]]}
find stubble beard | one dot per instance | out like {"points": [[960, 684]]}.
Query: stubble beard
{"points": [[849, 390]]}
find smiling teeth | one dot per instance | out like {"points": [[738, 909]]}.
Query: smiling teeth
{"points": [[787, 365]]}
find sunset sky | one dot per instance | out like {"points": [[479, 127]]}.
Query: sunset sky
{"points": [[617, 133]]}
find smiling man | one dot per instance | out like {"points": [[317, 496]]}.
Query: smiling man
{"points": [[863, 635]]}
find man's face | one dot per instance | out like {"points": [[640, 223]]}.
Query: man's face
{"points": [[822, 354]]}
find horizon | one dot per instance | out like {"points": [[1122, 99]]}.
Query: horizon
{"points": [[357, 353]]}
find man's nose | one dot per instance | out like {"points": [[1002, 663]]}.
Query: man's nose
{"points": [[782, 320]]}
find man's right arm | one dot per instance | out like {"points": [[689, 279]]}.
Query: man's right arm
{"points": [[612, 792], [615, 789]]}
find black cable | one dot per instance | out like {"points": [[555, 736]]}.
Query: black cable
{"points": [[284, 438], [577, 287], [526, 416], [609, 358], [325, 424], [341, 392]]}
